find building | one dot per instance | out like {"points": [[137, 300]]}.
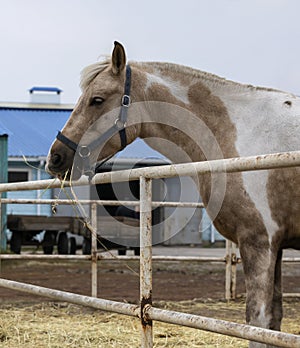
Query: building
{"points": [[31, 128]]}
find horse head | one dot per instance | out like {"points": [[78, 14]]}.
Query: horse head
{"points": [[97, 126]]}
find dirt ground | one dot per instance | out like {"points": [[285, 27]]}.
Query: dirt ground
{"points": [[119, 280], [29, 321]]}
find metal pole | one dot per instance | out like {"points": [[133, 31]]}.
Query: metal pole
{"points": [[248, 332], [252, 333], [228, 165], [228, 270], [102, 304], [146, 260], [109, 257], [233, 271], [94, 249], [99, 202]]}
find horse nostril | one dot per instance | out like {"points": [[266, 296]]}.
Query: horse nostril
{"points": [[56, 159]]}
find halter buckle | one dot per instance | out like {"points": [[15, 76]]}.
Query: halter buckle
{"points": [[126, 100]]}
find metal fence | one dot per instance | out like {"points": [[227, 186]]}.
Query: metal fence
{"points": [[230, 258], [145, 311]]}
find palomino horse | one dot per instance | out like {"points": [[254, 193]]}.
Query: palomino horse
{"points": [[260, 210]]}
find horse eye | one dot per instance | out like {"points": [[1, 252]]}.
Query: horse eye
{"points": [[97, 101]]}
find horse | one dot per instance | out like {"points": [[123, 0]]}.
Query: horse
{"points": [[259, 210]]}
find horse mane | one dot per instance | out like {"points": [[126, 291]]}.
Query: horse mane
{"points": [[202, 75], [91, 71], [177, 68]]}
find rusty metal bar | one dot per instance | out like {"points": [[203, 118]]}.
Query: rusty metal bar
{"points": [[229, 165], [98, 202], [225, 328], [293, 295], [105, 305], [146, 260], [234, 262], [43, 257], [228, 270], [94, 256], [109, 257], [126, 258], [198, 322], [290, 259]]}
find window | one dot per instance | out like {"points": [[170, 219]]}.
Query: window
{"points": [[18, 176]]}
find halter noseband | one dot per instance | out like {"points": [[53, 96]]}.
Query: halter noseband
{"points": [[119, 125]]}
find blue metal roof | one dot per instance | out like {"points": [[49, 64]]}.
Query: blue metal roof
{"points": [[32, 131]]}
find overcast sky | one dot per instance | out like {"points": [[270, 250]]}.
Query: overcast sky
{"points": [[47, 43]]}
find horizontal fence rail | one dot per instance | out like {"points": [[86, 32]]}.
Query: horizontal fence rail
{"points": [[127, 258], [198, 322], [145, 311], [98, 202], [230, 165]]}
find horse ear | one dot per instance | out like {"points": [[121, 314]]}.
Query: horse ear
{"points": [[118, 58]]}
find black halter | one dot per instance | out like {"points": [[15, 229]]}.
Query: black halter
{"points": [[119, 125]]}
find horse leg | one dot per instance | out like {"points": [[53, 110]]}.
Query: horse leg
{"points": [[277, 296], [259, 268]]}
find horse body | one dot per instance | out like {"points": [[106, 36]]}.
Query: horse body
{"points": [[260, 210], [245, 121]]}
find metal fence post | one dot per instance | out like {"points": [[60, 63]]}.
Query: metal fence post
{"points": [[230, 277], [146, 260], [233, 271], [94, 248], [228, 270]]}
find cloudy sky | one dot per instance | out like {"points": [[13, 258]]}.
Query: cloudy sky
{"points": [[47, 43]]}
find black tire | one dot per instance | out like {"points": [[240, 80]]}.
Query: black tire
{"points": [[63, 244], [72, 245], [86, 246], [16, 242], [48, 243], [137, 251], [122, 252]]}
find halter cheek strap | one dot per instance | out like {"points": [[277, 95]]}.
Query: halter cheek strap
{"points": [[119, 126], [124, 107]]}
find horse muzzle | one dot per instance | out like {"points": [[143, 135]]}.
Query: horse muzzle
{"points": [[59, 162]]}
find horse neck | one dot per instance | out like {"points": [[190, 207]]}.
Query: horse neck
{"points": [[203, 130]]}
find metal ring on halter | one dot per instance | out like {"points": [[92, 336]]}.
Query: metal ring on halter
{"points": [[120, 124], [126, 100], [86, 151]]}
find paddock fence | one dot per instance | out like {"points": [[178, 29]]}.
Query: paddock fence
{"points": [[145, 311], [230, 258]]}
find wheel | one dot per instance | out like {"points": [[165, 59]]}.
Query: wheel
{"points": [[63, 244], [72, 246], [122, 251], [16, 242], [86, 246], [48, 243]]}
